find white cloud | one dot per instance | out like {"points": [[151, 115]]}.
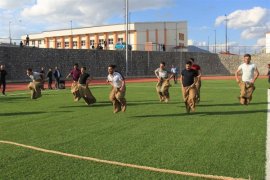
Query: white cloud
{"points": [[28, 17], [245, 18], [84, 12], [261, 41], [12, 4], [253, 23]]}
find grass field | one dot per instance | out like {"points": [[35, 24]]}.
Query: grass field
{"points": [[220, 138]]}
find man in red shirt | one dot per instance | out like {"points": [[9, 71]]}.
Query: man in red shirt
{"points": [[75, 73], [197, 68]]}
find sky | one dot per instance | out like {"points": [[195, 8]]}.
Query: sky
{"points": [[248, 20]]}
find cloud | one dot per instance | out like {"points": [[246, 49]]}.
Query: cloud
{"points": [[261, 41], [12, 4], [82, 12], [254, 23], [29, 17]]}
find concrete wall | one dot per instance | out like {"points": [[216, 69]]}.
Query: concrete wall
{"points": [[141, 64]]}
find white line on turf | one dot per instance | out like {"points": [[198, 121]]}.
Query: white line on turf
{"points": [[267, 169], [146, 168]]}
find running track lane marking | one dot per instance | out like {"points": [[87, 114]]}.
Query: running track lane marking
{"points": [[146, 168], [267, 169]]}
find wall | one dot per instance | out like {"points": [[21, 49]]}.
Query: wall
{"points": [[141, 64]]}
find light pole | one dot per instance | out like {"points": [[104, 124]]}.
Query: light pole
{"points": [[176, 37], [127, 13], [215, 41], [208, 39], [71, 28], [226, 33], [9, 32]]}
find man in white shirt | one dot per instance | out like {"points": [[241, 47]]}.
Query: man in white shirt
{"points": [[174, 71], [249, 75], [35, 85], [163, 84], [117, 95]]}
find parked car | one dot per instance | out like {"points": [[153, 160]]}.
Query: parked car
{"points": [[122, 46]]}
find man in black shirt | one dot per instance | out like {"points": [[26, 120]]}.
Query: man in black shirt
{"points": [[57, 76], [50, 78], [188, 81], [42, 72], [3, 74], [84, 91]]}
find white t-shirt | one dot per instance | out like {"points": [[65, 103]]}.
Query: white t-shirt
{"points": [[247, 71], [35, 76], [162, 73], [173, 70], [116, 79]]}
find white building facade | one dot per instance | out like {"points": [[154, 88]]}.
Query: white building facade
{"points": [[267, 45], [150, 36]]}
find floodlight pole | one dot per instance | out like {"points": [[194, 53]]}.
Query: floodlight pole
{"points": [[127, 13], [226, 33], [215, 40], [9, 32]]}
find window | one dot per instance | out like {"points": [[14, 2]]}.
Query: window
{"points": [[82, 43], [66, 44], [181, 36], [92, 42], [58, 44], [110, 41], [33, 43], [39, 41], [101, 41], [120, 40], [74, 43], [181, 45]]}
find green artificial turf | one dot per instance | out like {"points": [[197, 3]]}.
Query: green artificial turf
{"points": [[221, 138]]}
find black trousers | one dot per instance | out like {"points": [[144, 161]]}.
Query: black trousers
{"points": [[3, 86], [57, 82]]}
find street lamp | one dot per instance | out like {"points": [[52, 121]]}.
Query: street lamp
{"points": [[71, 28], [215, 41], [226, 33], [9, 32], [127, 13]]}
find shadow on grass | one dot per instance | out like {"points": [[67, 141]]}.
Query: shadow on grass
{"points": [[22, 113], [231, 104], [13, 99], [201, 113], [86, 106]]}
